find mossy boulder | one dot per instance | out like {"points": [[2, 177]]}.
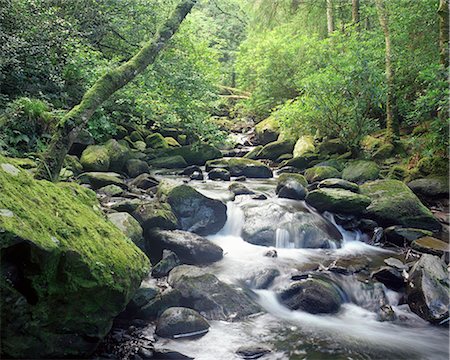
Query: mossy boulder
{"points": [[301, 162], [292, 177], [196, 154], [304, 144], [338, 201], [291, 186], [139, 145], [72, 163], [430, 187], [432, 165], [66, 270], [400, 236], [136, 167], [360, 171], [319, 173], [332, 146], [100, 179], [110, 190], [253, 154], [171, 142], [337, 164], [129, 226], [95, 158], [241, 167], [383, 152], [272, 151], [169, 162], [335, 183], [196, 212], [156, 141], [136, 136], [267, 131], [393, 203], [155, 214], [118, 155]]}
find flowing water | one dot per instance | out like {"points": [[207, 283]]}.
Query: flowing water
{"points": [[355, 332]]}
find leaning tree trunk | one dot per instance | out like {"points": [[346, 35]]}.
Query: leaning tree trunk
{"points": [[443, 13], [76, 119], [355, 13], [330, 17], [392, 127]]}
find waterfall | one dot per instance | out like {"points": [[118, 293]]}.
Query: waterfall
{"points": [[235, 221]]}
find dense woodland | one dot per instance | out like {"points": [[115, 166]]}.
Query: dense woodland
{"points": [[331, 117]]}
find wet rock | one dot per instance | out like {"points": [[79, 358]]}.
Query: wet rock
{"points": [[155, 215], [95, 158], [301, 162], [169, 162], [348, 222], [188, 171], [240, 189], [428, 289], [431, 245], [338, 200], [390, 277], [129, 226], [100, 179], [262, 279], [291, 186], [196, 212], [275, 149], [332, 146], [169, 261], [124, 205], [400, 236], [396, 263], [144, 182], [164, 354], [315, 296], [190, 248], [339, 184], [267, 131], [219, 174], [259, 197], [367, 225], [291, 220], [319, 173], [288, 170], [177, 322], [136, 167], [360, 171], [393, 203], [271, 253], [253, 352], [211, 297], [430, 187], [241, 167], [110, 190], [197, 176]]}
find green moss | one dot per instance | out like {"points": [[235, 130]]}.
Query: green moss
{"points": [[338, 200], [296, 177], [195, 154], [304, 144], [156, 141], [360, 171], [172, 142], [275, 149], [241, 166], [95, 158], [253, 154], [267, 130], [169, 162], [319, 173]]}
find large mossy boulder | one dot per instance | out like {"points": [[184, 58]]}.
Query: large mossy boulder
{"points": [[95, 158], [155, 214], [291, 186], [129, 226], [267, 131], [195, 154], [361, 171], [319, 173], [338, 201], [241, 167], [196, 212], [332, 146], [66, 271], [302, 162], [169, 162], [118, 155], [304, 144], [393, 203], [430, 187], [273, 150], [156, 141]]}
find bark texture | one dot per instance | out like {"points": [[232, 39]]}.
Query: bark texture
{"points": [[330, 17], [76, 119], [355, 13], [443, 13]]}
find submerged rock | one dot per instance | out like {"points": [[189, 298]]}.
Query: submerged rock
{"points": [[177, 322], [262, 279], [64, 266]]}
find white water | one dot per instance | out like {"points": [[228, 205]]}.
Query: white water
{"points": [[353, 333]]}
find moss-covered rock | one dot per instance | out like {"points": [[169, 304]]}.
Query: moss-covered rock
{"points": [[339, 184], [291, 186], [171, 142], [337, 164], [100, 179], [435, 165], [110, 190], [338, 201], [301, 162], [66, 270], [383, 152], [136, 167], [430, 187], [156, 141], [95, 158], [272, 151], [129, 226], [304, 144], [118, 155], [241, 167], [169, 162], [139, 145], [72, 164], [401, 236], [196, 154], [155, 214], [267, 131], [121, 132], [291, 176], [253, 154], [136, 136], [319, 173], [393, 203], [360, 171], [398, 172], [431, 245], [332, 146]]}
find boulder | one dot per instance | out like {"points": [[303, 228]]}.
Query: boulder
{"points": [[139, 145], [431, 245], [332, 146], [177, 322], [319, 173], [82, 141], [129, 226], [136, 136], [160, 302], [389, 276], [360, 171], [338, 201], [287, 223], [155, 214], [316, 296], [291, 186], [197, 176], [337, 164], [262, 279], [118, 155], [240, 189], [267, 131], [190, 170], [100, 179], [383, 152], [190, 248], [136, 167], [400, 236], [169, 162], [253, 154], [195, 154], [428, 289], [430, 187], [144, 182], [124, 205], [156, 141], [241, 167], [393, 203], [273, 150], [196, 212], [301, 162], [110, 190], [168, 262], [219, 174], [214, 299], [304, 144], [95, 158], [171, 142], [64, 266], [253, 351], [334, 183]]}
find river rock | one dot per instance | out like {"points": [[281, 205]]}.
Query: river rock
{"points": [[95, 158], [136, 167], [288, 170], [253, 154], [219, 174], [129, 226], [301, 162], [273, 150], [332, 146], [240, 189], [262, 279], [428, 289], [118, 155], [110, 190], [319, 173], [291, 186], [196, 212], [431, 245], [121, 204], [155, 214], [169, 162], [178, 322], [197, 176], [98, 180], [393, 203], [64, 266], [195, 154], [267, 131], [144, 182], [214, 299], [430, 187], [360, 171], [389, 276], [190, 248], [169, 261], [156, 305], [188, 171], [400, 236], [291, 222], [338, 201], [155, 141], [304, 144], [253, 352], [335, 183], [316, 296], [241, 167]]}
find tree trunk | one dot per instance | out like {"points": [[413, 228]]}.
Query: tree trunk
{"points": [[355, 13], [392, 127], [330, 17], [443, 13], [76, 119]]}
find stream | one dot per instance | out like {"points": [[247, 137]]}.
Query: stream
{"points": [[355, 332]]}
